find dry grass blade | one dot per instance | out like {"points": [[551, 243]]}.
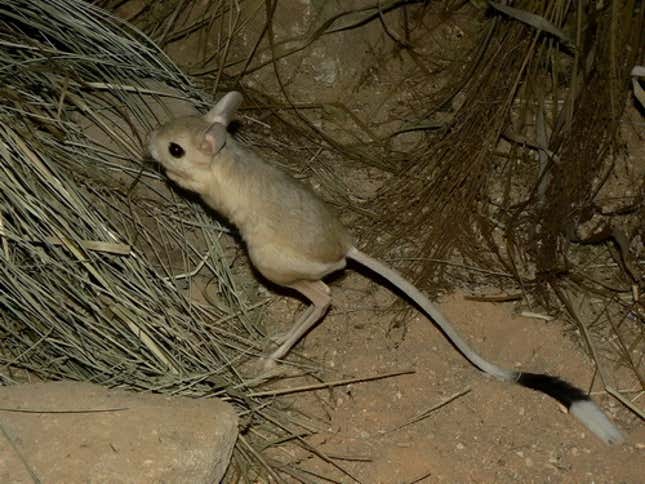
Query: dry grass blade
{"points": [[319, 386], [536, 21], [618, 396], [426, 413]]}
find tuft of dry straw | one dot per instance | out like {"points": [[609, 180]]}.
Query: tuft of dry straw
{"points": [[90, 240], [83, 288]]}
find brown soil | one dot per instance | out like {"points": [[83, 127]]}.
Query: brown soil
{"points": [[494, 433]]}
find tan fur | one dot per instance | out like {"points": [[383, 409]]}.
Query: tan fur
{"points": [[289, 232]]}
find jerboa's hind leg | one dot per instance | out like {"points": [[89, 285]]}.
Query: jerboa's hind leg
{"points": [[320, 296]]}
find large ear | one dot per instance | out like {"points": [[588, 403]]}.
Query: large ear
{"points": [[225, 109], [214, 139]]}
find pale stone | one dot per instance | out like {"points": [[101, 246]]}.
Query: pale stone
{"points": [[138, 437]]}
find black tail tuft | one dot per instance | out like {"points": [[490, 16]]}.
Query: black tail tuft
{"points": [[577, 402], [563, 392]]}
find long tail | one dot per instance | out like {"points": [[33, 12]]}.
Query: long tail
{"points": [[574, 399]]}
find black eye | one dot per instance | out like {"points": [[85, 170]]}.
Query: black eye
{"points": [[175, 150]]}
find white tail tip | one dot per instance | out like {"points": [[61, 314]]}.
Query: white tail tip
{"points": [[595, 420]]}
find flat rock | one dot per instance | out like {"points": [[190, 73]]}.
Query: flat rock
{"points": [[78, 432]]}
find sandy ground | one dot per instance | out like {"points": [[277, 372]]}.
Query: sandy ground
{"points": [[493, 433]]}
